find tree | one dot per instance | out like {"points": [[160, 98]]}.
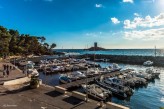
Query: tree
{"points": [[12, 42], [43, 39], [53, 45]]}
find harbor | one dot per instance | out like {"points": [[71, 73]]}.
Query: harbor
{"points": [[82, 54], [154, 88], [52, 79], [68, 67]]}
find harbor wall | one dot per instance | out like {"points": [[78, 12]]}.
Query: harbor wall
{"points": [[138, 60], [17, 81], [111, 105]]}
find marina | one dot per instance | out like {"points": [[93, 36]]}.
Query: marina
{"points": [[143, 90], [82, 54]]}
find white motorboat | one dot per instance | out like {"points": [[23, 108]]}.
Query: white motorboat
{"points": [[96, 91], [93, 72], [142, 74], [153, 72], [57, 68], [114, 67], [119, 90], [64, 79], [148, 63], [33, 72], [78, 74]]}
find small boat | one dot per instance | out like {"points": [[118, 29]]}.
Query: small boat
{"points": [[142, 74], [96, 91], [33, 72], [57, 68], [114, 67], [119, 90], [148, 63], [154, 73], [132, 80], [64, 79], [78, 74], [92, 72]]}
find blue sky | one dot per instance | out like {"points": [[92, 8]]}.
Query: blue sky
{"points": [[79, 23]]}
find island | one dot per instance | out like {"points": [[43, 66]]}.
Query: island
{"points": [[95, 47]]}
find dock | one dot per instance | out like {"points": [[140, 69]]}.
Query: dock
{"points": [[77, 83]]}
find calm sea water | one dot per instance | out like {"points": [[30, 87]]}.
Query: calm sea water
{"points": [[142, 52], [150, 97]]}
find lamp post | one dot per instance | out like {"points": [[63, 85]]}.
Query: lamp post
{"points": [[86, 85]]}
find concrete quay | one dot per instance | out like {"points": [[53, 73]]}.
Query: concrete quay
{"points": [[45, 97]]}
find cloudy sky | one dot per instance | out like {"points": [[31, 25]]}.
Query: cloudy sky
{"points": [[79, 23]]}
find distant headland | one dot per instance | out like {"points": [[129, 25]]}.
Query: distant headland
{"points": [[95, 47]]}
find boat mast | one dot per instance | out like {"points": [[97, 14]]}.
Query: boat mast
{"points": [[155, 51]]}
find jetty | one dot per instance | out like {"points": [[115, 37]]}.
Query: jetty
{"points": [[78, 83], [135, 60]]}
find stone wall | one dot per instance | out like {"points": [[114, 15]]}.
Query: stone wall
{"points": [[138, 60]]}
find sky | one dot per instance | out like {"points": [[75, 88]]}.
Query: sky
{"points": [[113, 24]]}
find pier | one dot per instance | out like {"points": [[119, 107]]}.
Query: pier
{"points": [[77, 83], [136, 60]]}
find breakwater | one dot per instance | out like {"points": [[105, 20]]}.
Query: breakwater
{"points": [[138, 60]]}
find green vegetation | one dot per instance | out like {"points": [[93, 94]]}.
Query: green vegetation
{"points": [[13, 43], [161, 108]]}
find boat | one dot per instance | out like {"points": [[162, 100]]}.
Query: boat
{"points": [[114, 67], [142, 74], [57, 68], [153, 72], [24, 62], [96, 91], [132, 80], [115, 81], [118, 90], [78, 74], [148, 63], [64, 79], [33, 72], [92, 72]]}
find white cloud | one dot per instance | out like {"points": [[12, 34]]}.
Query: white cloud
{"points": [[150, 34], [128, 1], [98, 5], [148, 21], [94, 34], [136, 14], [115, 20]]}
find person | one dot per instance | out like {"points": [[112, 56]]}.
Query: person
{"points": [[7, 70], [10, 67], [4, 70]]}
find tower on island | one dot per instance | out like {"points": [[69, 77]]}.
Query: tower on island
{"points": [[95, 44], [95, 47]]}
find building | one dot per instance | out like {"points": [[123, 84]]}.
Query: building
{"points": [[95, 47]]}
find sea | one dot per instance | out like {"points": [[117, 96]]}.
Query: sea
{"points": [[149, 97], [129, 52]]}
